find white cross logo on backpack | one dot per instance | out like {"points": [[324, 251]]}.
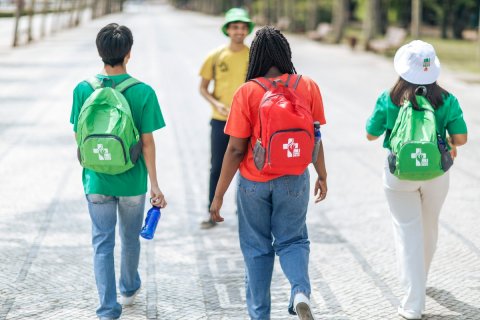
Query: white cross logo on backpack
{"points": [[420, 158], [292, 148], [102, 152]]}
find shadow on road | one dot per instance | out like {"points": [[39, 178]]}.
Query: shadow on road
{"points": [[448, 300]]}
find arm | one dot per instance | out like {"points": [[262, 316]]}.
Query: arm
{"points": [[156, 196], [320, 191], [236, 150], [456, 140], [210, 98], [371, 137]]}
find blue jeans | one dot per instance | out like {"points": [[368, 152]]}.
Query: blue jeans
{"points": [[271, 219], [103, 213]]}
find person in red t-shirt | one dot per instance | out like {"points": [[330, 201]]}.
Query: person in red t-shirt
{"points": [[272, 208]]}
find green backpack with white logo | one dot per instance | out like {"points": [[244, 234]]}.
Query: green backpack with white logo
{"points": [[415, 150], [108, 141]]}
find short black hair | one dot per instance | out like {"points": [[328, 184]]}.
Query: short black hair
{"points": [[114, 42], [269, 48]]}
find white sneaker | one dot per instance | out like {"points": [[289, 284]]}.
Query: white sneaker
{"points": [[301, 305], [409, 314], [128, 301]]}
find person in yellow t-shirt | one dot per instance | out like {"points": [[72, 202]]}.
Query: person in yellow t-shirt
{"points": [[226, 66]]}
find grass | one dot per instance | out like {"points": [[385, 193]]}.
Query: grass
{"points": [[457, 55]]}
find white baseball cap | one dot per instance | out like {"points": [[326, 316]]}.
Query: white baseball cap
{"points": [[417, 63]]}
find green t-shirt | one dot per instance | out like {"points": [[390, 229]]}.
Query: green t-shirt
{"points": [[449, 117], [147, 117]]}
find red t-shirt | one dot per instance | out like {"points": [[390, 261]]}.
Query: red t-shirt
{"points": [[244, 115]]}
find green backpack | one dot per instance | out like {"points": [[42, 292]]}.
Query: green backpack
{"points": [[108, 141], [414, 141]]}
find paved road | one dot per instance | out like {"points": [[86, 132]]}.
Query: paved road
{"points": [[45, 252]]}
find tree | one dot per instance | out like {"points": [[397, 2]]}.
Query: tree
{"points": [[416, 18], [371, 21], [340, 18]]}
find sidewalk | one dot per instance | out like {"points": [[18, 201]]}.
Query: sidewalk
{"points": [[45, 253]]}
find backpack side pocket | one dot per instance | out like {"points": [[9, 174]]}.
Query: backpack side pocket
{"points": [[259, 155]]}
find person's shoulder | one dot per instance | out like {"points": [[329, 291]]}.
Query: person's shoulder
{"points": [[83, 86], [384, 99], [142, 86], [309, 83], [449, 97], [217, 50]]}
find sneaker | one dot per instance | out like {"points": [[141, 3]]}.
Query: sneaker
{"points": [[409, 314], [128, 301], [302, 307], [207, 224]]}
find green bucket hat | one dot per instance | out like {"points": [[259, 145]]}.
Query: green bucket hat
{"points": [[237, 15]]}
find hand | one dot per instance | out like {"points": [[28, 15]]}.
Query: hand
{"points": [[221, 108], [215, 209], [320, 191], [157, 198], [453, 148]]}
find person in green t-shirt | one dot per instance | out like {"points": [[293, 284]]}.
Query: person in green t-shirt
{"points": [[226, 66], [415, 205], [106, 194]]}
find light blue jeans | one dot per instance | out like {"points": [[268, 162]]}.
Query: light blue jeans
{"points": [[103, 213], [271, 219]]}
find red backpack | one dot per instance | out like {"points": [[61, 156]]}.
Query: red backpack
{"points": [[284, 133]]}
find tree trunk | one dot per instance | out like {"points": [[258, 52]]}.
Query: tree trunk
{"points": [[57, 24], [311, 15], [370, 22], [340, 15], [30, 21], [18, 13], [416, 18], [44, 18]]}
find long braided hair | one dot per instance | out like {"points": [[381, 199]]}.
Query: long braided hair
{"points": [[269, 48]]}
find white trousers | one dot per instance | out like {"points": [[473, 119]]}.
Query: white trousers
{"points": [[415, 207]]}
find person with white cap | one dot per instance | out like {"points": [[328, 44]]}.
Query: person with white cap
{"points": [[415, 205], [226, 66]]}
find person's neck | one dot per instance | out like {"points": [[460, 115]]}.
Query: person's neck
{"points": [[273, 72], [235, 47], [113, 71]]}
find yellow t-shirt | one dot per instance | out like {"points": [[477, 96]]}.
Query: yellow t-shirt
{"points": [[230, 73]]}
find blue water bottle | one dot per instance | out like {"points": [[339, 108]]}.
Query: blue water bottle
{"points": [[151, 221], [318, 136]]}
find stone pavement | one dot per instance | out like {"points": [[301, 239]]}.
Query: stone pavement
{"points": [[45, 252]]}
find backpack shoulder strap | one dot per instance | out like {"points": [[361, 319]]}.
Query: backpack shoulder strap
{"points": [[262, 84], [297, 78], [424, 104], [94, 82], [215, 61], [125, 84], [295, 84]]}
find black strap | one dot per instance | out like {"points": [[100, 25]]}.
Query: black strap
{"points": [[260, 84], [295, 85], [274, 82], [288, 80]]}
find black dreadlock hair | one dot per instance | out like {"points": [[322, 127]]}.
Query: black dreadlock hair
{"points": [[269, 48]]}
